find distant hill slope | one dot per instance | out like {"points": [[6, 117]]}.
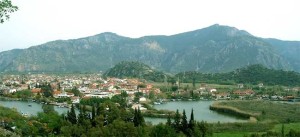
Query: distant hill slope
{"points": [[253, 74], [213, 49], [289, 50], [130, 69]]}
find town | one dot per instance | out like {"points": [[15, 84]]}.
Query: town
{"points": [[65, 90]]}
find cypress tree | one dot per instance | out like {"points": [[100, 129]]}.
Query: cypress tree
{"points": [[169, 122], [141, 119], [93, 111], [135, 118], [177, 121], [184, 123], [72, 115], [80, 116], [98, 109], [282, 130], [192, 121]]}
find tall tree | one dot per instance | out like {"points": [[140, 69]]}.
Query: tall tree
{"points": [[71, 115], [138, 118], [177, 121], [282, 130], [6, 7], [93, 116], [169, 122], [135, 119], [192, 121], [184, 123]]}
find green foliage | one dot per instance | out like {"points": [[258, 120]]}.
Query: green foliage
{"points": [[6, 7], [71, 115], [281, 112], [46, 90], [127, 69], [75, 91], [24, 94], [162, 130], [209, 50], [253, 74], [138, 118]]}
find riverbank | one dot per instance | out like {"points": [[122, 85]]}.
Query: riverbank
{"points": [[219, 107], [279, 112]]}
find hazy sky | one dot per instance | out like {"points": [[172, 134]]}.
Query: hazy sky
{"points": [[40, 21]]}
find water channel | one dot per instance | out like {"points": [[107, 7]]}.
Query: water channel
{"points": [[201, 110]]}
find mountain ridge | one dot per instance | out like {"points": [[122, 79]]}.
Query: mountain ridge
{"points": [[213, 49]]}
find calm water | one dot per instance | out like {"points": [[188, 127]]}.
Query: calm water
{"points": [[201, 112], [23, 107]]}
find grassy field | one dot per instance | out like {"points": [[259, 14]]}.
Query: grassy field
{"points": [[231, 134], [267, 110], [287, 127], [277, 128]]}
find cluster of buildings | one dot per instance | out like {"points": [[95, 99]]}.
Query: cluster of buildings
{"points": [[89, 86], [240, 92]]}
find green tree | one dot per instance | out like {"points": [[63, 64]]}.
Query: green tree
{"points": [[48, 108], [184, 123], [192, 121], [71, 115], [138, 118], [177, 121], [152, 95], [162, 130], [75, 91], [169, 122], [6, 7], [282, 130]]}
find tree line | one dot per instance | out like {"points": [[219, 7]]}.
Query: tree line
{"points": [[253, 74]]}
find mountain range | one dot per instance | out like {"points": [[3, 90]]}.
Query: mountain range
{"points": [[216, 48]]}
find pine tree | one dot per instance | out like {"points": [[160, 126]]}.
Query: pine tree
{"points": [[184, 123]]}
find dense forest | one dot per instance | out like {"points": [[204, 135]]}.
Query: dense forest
{"points": [[253, 74]]}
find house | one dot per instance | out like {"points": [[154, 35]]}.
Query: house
{"points": [[213, 90], [138, 106], [244, 93], [65, 95], [35, 91], [75, 99], [142, 99], [56, 93], [240, 85], [12, 91], [222, 95]]}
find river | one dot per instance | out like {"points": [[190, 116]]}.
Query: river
{"points": [[29, 107], [201, 110]]}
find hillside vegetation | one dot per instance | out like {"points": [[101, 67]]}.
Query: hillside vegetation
{"points": [[130, 69], [213, 49], [253, 74]]}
